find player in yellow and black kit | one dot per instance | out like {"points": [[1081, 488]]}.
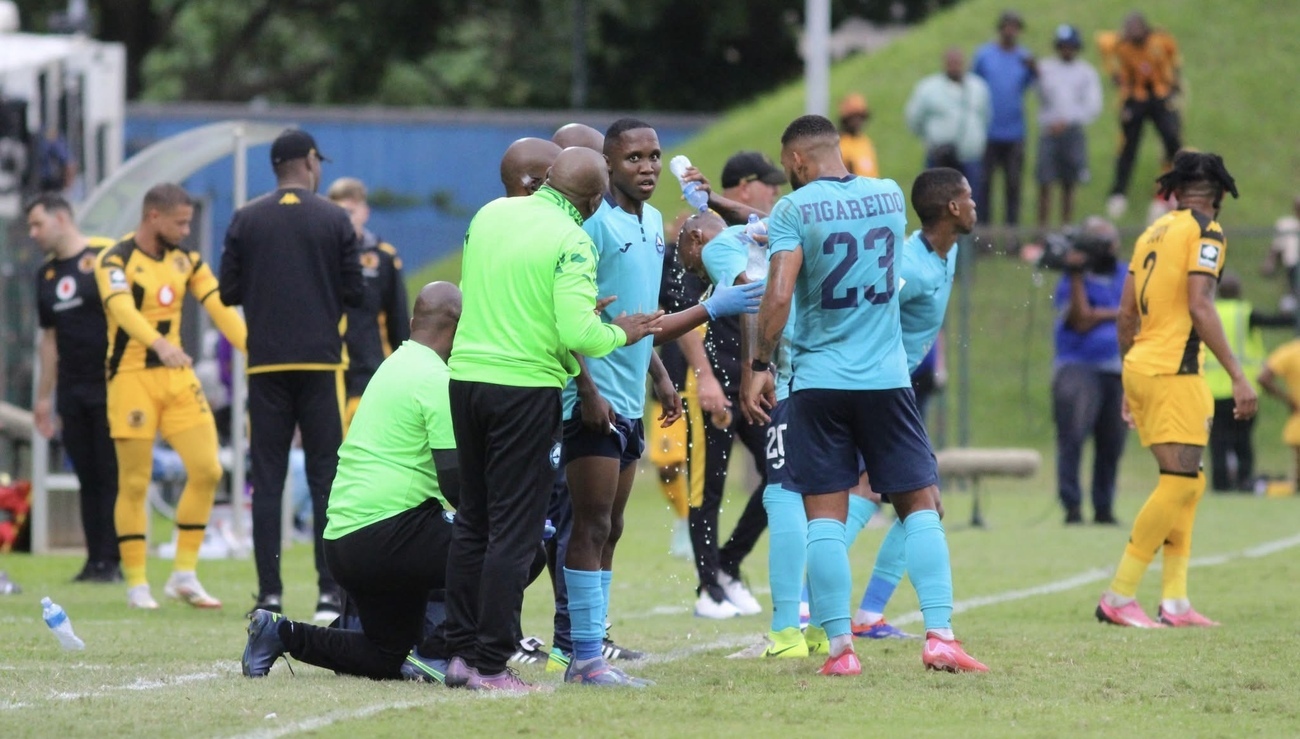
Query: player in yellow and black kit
{"points": [[382, 322], [1166, 312], [152, 387]]}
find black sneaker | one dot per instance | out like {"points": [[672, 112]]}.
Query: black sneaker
{"points": [[611, 651], [270, 603], [1073, 516], [328, 608], [87, 572], [264, 646], [1105, 518], [106, 572], [531, 651]]}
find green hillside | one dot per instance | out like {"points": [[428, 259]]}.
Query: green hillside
{"points": [[1239, 106]]}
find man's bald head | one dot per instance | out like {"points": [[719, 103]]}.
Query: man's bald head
{"points": [[435, 317], [582, 176], [524, 165], [578, 134], [696, 232]]}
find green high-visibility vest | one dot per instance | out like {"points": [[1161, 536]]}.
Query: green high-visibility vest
{"points": [[1247, 346]]}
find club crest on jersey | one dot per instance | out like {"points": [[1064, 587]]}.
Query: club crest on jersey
{"points": [[555, 456], [659, 244], [181, 263], [135, 419], [117, 279], [66, 288], [370, 263], [86, 264], [1209, 255], [166, 295]]}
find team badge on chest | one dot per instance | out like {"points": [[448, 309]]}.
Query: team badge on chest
{"points": [[166, 295], [86, 264]]}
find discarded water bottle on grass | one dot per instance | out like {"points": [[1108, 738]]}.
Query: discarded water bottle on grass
{"points": [[698, 199], [57, 619]]}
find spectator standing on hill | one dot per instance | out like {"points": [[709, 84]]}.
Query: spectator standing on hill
{"points": [[1232, 449], [1009, 69], [1285, 252], [1087, 386], [1069, 92], [1146, 66], [856, 147], [291, 260], [950, 112]]}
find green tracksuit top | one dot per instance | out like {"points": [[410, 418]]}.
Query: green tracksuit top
{"points": [[529, 282]]}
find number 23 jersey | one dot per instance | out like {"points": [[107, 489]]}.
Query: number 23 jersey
{"points": [[1177, 245], [847, 333]]}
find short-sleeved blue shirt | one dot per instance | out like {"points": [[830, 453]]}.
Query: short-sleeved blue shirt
{"points": [[847, 333], [923, 298], [630, 252]]}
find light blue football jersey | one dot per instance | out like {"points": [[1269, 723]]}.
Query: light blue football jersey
{"points": [[726, 257], [923, 298], [847, 334], [630, 254]]}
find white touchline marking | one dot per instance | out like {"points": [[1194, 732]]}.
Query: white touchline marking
{"points": [[220, 669], [1100, 574]]}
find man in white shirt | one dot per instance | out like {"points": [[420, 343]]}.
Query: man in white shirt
{"points": [[1070, 92]]}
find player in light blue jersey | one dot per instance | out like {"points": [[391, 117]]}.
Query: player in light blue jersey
{"points": [[942, 200], [720, 256], [833, 244], [603, 406]]}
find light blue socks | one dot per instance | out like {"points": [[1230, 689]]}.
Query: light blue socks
{"points": [[586, 611], [928, 566], [787, 529], [890, 563], [829, 578]]}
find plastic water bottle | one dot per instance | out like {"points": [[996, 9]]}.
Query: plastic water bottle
{"points": [[698, 199], [548, 530], [57, 619], [756, 267]]}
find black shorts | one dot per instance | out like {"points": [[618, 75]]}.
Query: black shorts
{"points": [[1063, 158], [828, 430], [626, 442]]}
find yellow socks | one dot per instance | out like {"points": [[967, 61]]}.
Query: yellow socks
{"points": [[676, 493], [197, 447], [130, 514], [1158, 517], [1178, 548]]}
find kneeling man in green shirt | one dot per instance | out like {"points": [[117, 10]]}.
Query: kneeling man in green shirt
{"points": [[390, 524]]}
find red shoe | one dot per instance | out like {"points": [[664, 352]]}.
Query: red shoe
{"points": [[947, 654], [1181, 620], [845, 664], [1129, 614]]}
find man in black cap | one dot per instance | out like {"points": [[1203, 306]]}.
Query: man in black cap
{"points": [[751, 185], [291, 260]]}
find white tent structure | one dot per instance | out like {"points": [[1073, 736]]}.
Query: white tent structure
{"points": [[114, 208]]}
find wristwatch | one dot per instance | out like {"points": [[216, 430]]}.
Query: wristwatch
{"points": [[760, 366]]}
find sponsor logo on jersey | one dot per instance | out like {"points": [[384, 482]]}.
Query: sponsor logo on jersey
{"points": [[66, 288], [555, 456], [289, 199], [166, 295], [1209, 255], [116, 279]]}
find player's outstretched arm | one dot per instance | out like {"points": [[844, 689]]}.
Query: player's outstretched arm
{"points": [[734, 212], [204, 288], [573, 296], [725, 301], [1205, 320]]}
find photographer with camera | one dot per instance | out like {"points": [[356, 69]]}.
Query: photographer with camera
{"points": [[1087, 392]]}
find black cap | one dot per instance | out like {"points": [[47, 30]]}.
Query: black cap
{"points": [[294, 143], [750, 165], [1068, 35], [1010, 16]]}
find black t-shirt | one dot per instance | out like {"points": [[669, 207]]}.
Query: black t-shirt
{"points": [[68, 302], [678, 290]]}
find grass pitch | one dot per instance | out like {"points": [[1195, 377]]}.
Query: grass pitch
{"points": [[1026, 588]]}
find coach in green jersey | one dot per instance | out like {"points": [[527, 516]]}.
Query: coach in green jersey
{"points": [[389, 529], [529, 278]]}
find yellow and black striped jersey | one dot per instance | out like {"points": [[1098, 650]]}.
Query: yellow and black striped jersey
{"points": [[143, 296]]}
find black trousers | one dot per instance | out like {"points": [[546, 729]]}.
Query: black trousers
{"points": [[388, 569], [277, 402], [1227, 434], [83, 406], [1008, 156], [560, 513], [1086, 403], [1132, 116], [508, 440], [703, 518]]}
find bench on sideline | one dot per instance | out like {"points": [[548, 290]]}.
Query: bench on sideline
{"points": [[968, 463]]}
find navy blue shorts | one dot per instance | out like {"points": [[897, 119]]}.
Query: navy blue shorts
{"points": [[626, 443], [828, 429], [777, 471]]}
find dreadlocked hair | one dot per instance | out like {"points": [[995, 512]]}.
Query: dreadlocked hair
{"points": [[1198, 173]]}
